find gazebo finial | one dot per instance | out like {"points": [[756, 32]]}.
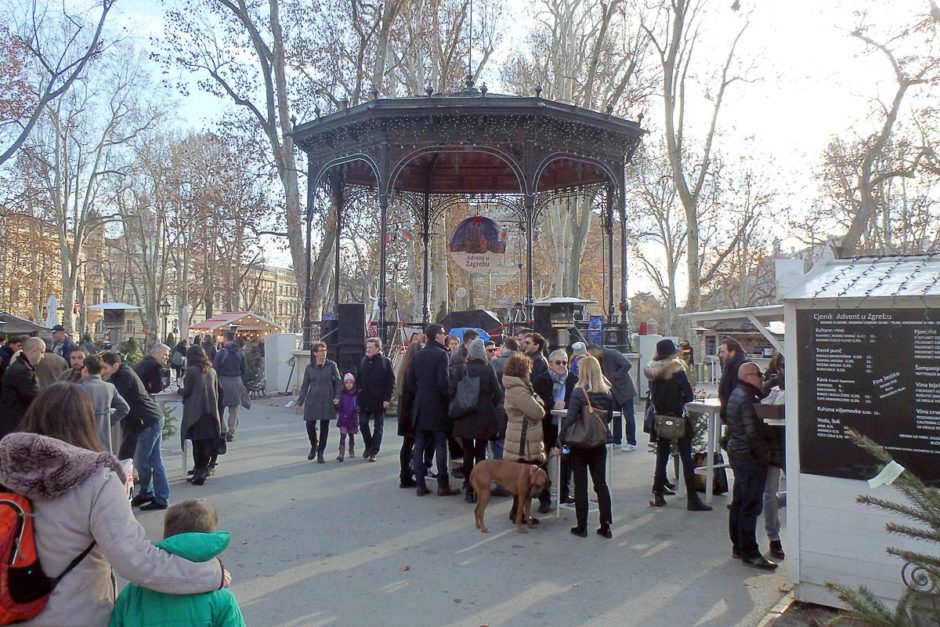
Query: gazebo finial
{"points": [[428, 89], [483, 89], [374, 92], [468, 80], [538, 90]]}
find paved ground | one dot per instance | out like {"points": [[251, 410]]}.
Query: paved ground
{"points": [[341, 544]]}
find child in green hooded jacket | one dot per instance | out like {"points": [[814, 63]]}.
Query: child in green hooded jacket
{"points": [[189, 530]]}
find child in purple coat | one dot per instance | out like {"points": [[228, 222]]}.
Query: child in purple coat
{"points": [[347, 416]]}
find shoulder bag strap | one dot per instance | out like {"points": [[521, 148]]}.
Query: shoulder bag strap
{"points": [[75, 562]]}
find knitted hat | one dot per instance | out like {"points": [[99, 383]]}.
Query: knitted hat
{"points": [[348, 377], [578, 349], [477, 349], [665, 349]]}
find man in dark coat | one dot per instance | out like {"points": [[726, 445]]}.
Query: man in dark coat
{"points": [[14, 343], [732, 356], [20, 385], [554, 387], [376, 382], [616, 368], [150, 369], [143, 432], [749, 454], [428, 380], [534, 348]]}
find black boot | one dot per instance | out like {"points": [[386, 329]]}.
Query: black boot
{"points": [[312, 453], [696, 504], [199, 477], [658, 501]]}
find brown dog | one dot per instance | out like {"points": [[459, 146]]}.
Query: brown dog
{"points": [[522, 480]]}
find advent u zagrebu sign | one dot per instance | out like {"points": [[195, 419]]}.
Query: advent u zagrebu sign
{"points": [[475, 243]]}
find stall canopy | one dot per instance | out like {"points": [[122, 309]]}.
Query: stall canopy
{"points": [[243, 321], [766, 319], [13, 325]]}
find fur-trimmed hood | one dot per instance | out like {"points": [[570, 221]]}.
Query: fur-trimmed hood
{"points": [[40, 467], [664, 369]]}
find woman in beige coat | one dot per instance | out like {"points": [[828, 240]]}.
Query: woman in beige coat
{"points": [[524, 413], [79, 501]]}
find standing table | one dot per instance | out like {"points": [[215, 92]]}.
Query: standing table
{"points": [[561, 413], [711, 407]]}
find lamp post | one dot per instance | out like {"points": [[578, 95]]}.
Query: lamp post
{"points": [[165, 310]]}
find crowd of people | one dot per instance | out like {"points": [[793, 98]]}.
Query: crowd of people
{"points": [[85, 411]]}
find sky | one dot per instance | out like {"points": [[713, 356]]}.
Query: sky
{"points": [[810, 79]]}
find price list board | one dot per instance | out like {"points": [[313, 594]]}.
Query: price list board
{"points": [[877, 370]]}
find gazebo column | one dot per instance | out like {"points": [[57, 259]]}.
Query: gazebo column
{"points": [[426, 238], [308, 329], [624, 262], [340, 200], [383, 245], [610, 253], [529, 203]]}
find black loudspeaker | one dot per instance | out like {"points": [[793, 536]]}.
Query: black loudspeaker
{"points": [[351, 318], [328, 332], [348, 357]]}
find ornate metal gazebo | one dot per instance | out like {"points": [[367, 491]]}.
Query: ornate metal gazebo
{"points": [[468, 143]]}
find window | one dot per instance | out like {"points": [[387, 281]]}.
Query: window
{"points": [[96, 296]]}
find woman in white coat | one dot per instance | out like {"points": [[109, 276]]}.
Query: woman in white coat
{"points": [[79, 500]]}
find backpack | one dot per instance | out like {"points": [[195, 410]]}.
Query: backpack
{"points": [[467, 397], [176, 360], [24, 587]]}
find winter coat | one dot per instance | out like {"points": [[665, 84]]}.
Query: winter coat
{"points": [[144, 411], [499, 364], [406, 406], [539, 364], [747, 434], [347, 412], [376, 382], [670, 390], [230, 361], [139, 607], [151, 374], [729, 379], [64, 348], [616, 368], [79, 497], [50, 369], [599, 400], [6, 357], [428, 380], [321, 386], [20, 387], [483, 423], [209, 347], [200, 405], [544, 386], [524, 413], [104, 396]]}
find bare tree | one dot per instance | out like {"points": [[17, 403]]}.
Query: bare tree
{"points": [[674, 30], [55, 47]]}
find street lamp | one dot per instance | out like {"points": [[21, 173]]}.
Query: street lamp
{"points": [[165, 310]]}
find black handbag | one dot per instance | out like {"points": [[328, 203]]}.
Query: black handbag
{"points": [[467, 397], [589, 430]]}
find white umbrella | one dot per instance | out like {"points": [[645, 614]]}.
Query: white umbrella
{"points": [[52, 312]]}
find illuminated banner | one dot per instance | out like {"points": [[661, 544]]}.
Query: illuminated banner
{"points": [[475, 243]]}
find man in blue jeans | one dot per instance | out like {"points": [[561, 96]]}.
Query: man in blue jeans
{"points": [[146, 416], [376, 382], [616, 369], [749, 451], [427, 379]]}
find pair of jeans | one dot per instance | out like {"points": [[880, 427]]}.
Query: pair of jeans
{"points": [[771, 505], [663, 449], [372, 440], [312, 434], [628, 415], [746, 504], [474, 452], [440, 452], [149, 463], [496, 448], [232, 420], [595, 461]]}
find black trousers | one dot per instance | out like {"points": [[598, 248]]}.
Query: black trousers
{"points": [[404, 458], [593, 460], [312, 434], [203, 452], [474, 452], [663, 449], [131, 432]]}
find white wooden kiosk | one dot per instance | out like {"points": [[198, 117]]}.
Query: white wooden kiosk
{"points": [[863, 349]]}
